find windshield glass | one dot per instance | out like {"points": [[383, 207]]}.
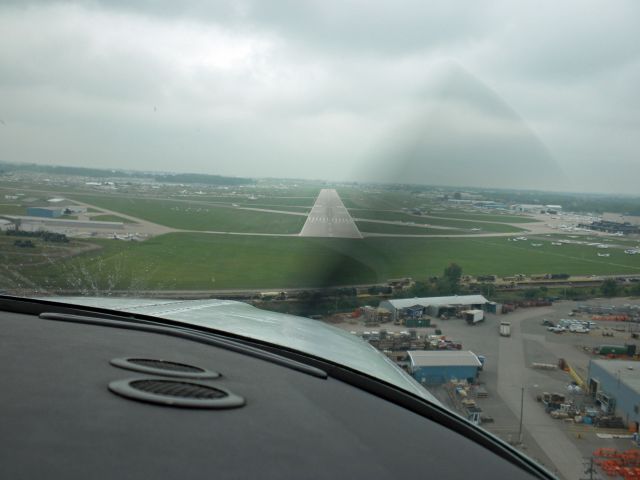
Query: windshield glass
{"points": [[295, 332], [441, 194]]}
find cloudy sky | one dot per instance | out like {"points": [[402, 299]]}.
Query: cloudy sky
{"points": [[540, 94]]}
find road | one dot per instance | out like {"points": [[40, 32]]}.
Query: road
{"points": [[62, 222], [330, 218], [508, 369], [513, 374]]}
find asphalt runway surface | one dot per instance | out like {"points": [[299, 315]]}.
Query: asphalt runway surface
{"points": [[330, 218]]}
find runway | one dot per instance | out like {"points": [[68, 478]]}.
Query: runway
{"points": [[330, 218]]}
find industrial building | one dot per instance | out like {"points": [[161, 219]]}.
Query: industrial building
{"points": [[411, 308], [536, 208], [435, 367], [528, 208], [45, 212], [615, 385], [620, 218], [625, 228]]}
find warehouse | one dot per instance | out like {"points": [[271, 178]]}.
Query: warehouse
{"points": [[528, 208], [45, 212], [434, 306], [435, 367], [615, 385]]}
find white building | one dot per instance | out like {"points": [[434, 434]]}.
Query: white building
{"points": [[433, 305], [529, 208]]}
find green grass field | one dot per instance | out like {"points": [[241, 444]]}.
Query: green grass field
{"points": [[383, 200], [244, 201], [485, 217], [281, 208], [43, 256], [12, 209], [184, 261], [22, 255], [443, 222], [195, 216], [372, 227], [200, 261]]}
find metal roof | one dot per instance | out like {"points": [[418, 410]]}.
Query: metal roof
{"points": [[439, 301], [440, 358], [627, 371], [46, 207]]}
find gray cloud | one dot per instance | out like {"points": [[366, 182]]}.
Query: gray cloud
{"points": [[463, 130], [482, 93]]}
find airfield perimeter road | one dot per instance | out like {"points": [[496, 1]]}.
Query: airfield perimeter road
{"points": [[330, 218]]}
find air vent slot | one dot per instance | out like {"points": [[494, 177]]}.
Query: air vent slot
{"points": [[165, 368], [176, 393]]}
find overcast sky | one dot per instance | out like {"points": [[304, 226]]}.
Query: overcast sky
{"points": [[540, 94]]}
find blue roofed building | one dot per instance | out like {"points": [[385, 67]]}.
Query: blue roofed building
{"points": [[45, 212], [434, 367]]}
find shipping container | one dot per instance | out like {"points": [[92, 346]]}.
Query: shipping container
{"points": [[417, 322], [611, 350]]}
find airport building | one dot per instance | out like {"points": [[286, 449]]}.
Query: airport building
{"points": [[434, 367], [75, 209], [615, 385], [528, 208], [45, 212], [625, 228], [536, 208], [490, 204], [404, 308], [622, 219]]}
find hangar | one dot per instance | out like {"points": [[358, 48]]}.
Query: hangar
{"points": [[45, 212], [615, 385], [434, 306]]}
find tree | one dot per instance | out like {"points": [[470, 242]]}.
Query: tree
{"points": [[450, 281], [488, 289], [634, 290], [573, 292], [609, 287], [421, 289], [453, 272]]}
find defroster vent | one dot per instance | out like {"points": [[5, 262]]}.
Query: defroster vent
{"points": [[176, 393]]}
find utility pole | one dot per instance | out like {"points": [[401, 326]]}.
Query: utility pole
{"points": [[521, 412], [589, 470]]}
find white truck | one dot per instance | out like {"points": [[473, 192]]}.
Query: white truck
{"points": [[505, 329]]}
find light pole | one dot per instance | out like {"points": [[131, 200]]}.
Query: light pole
{"points": [[521, 413]]}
